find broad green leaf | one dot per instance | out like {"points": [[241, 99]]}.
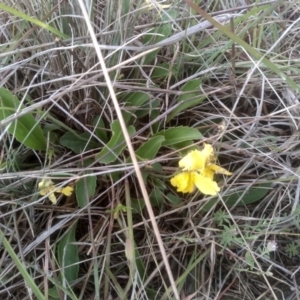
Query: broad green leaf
{"points": [[190, 97], [78, 143], [25, 129], [147, 108], [68, 255], [163, 71], [85, 187], [116, 144], [156, 197], [138, 102], [252, 195], [135, 99], [175, 135], [149, 149], [137, 105], [100, 129], [185, 147], [173, 199], [153, 115], [137, 205], [158, 34], [54, 294]]}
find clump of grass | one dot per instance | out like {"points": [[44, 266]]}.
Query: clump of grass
{"points": [[106, 99]]}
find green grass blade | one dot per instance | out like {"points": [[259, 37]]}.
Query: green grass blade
{"points": [[33, 20], [29, 280], [257, 55]]}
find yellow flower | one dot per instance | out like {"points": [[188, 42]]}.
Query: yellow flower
{"points": [[198, 171], [47, 187]]}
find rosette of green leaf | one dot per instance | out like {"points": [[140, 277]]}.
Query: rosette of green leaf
{"points": [[25, 129]]}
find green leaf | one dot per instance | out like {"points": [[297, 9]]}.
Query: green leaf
{"points": [[137, 205], [185, 147], [252, 195], [25, 129], [190, 97], [116, 144], [22, 268], [65, 290], [156, 197], [137, 105], [134, 102], [149, 149], [68, 255], [135, 99], [37, 22], [175, 135], [174, 200], [158, 34], [85, 187], [100, 129], [78, 142], [256, 55], [163, 71]]}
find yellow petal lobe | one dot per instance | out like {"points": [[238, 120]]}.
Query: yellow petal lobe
{"points": [[205, 185], [194, 160], [218, 170], [184, 182], [209, 173], [67, 191], [52, 198], [208, 153]]}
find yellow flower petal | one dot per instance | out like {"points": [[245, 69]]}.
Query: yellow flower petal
{"points": [[205, 185], [46, 186], [194, 160], [184, 182], [45, 183], [207, 172], [208, 153], [197, 160], [52, 198], [43, 192], [67, 191], [218, 170]]}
